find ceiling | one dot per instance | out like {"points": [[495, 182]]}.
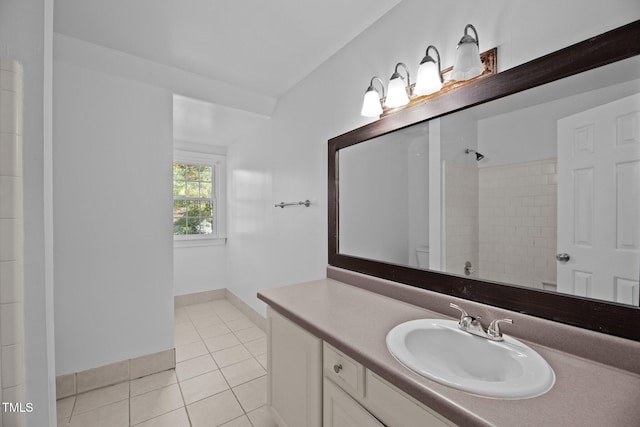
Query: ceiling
{"points": [[263, 46], [257, 45]]}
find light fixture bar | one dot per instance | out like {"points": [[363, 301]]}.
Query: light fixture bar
{"points": [[489, 60]]}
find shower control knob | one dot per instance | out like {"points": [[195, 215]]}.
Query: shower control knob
{"points": [[563, 257]]}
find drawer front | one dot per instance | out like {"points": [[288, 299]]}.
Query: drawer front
{"points": [[343, 370], [396, 409]]}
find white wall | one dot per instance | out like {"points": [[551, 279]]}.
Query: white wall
{"points": [[374, 199], [26, 35], [253, 240], [459, 132], [112, 210], [327, 103], [384, 197], [199, 269]]}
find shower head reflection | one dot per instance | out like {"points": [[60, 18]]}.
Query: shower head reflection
{"points": [[478, 155]]}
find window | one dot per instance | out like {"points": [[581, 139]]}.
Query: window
{"points": [[197, 206]]}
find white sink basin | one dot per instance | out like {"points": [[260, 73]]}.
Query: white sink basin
{"points": [[438, 350]]}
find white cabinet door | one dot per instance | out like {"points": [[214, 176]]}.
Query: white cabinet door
{"points": [[340, 410], [294, 374]]}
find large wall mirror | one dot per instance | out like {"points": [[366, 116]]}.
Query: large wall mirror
{"points": [[520, 191]]}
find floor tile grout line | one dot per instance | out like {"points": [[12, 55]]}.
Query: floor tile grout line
{"points": [[130, 397], [201, 340], [151, 391], [184, 402], [246, 414], [223, 377], [75, 400], [238, 399]]}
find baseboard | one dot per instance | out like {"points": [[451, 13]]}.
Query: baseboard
{"points": [[114, 373], [198, 297], [224, 293], [247, 310], [126, 370]]}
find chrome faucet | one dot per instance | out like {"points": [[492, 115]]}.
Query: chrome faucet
{"points": [[472, 325]]}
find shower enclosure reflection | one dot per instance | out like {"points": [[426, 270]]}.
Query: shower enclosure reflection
{"points": [[559, 173]]}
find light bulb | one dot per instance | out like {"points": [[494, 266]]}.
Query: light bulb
{"points": [[397, 92], [371, 106], [468, 64]]}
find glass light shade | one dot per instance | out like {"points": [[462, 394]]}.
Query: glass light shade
{"points": [[396, 92], [371, 106], [428, 80], [468, 64]]}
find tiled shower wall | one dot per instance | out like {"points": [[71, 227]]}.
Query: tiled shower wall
{"points": [[518, 217], [11, 242]]}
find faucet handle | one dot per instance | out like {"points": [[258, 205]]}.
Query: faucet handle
{"points": [[464, 316], [463, 313], [494, 328]]}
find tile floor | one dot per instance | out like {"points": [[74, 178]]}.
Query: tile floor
{"points": [[219, 380]]}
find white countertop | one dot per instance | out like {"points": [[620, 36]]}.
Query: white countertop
{"points": [[356, 321]]}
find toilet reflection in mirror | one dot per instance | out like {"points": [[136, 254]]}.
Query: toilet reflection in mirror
{"points": [[560, 175]]}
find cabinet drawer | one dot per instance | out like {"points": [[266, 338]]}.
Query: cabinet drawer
{"points": [[343, 370], [396, 409]]}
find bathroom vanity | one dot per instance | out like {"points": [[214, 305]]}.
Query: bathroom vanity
{"points": [[312, 383], [329, 364]]}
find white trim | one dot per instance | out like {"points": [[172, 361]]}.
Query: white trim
{"points": [[189, 156], [48, 149], [198, 241]]}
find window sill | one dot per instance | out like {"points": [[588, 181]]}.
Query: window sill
{"points": [[200, 242]]}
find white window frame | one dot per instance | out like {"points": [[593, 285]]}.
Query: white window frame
{"points": [[218, 162]]}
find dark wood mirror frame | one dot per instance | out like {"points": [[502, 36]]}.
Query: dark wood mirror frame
{"points": [[605, 317]]}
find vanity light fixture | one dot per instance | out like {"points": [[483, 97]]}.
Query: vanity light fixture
{"points": [[432, 80], [468, 64], [372, 103], [429, 78], [398, 90]]}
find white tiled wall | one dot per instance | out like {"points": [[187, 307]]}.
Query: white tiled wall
{"points": [[460, 217], [11, 241], [518, 218]]}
